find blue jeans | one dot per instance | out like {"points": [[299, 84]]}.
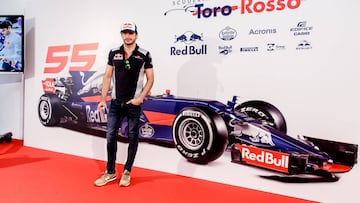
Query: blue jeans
{"points": [[119, 110]]}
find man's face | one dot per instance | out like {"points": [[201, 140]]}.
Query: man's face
{"points": [[5, 31], [128, 37]]}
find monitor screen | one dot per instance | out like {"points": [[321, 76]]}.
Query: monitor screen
{"points": [[12, 43]]}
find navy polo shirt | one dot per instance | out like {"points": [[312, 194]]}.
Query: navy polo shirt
{"points": [[128, 79]]}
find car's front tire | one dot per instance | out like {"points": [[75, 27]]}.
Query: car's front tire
{"points": [[48, 109], [199, 134]]}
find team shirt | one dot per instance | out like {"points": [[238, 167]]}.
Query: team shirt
{"points": [[128, 73]]}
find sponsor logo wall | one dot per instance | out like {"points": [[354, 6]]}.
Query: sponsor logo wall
{"points": [[280, 51]]}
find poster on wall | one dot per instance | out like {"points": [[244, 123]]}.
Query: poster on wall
{"points": [[241, 87], [201, 130]]}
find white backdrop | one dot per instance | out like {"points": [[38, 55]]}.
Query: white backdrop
{"points": [[315, 86]]}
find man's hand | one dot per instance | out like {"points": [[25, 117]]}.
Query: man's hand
{"points": [[13, 63], [137, 101], [101, 105]]}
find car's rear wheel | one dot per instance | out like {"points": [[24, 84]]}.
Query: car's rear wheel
{"points": [[199, 134]]}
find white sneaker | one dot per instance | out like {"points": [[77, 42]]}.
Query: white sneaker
{"points": [[125, 179], [105, 178]]}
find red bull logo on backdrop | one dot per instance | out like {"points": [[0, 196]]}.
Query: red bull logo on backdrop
{"points": [[193, 44], [200, 10]]}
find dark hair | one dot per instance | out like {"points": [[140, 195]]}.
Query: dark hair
{"points": [[5, 24]]}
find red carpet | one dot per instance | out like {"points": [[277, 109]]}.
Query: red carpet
{"points": [[34, 175]]}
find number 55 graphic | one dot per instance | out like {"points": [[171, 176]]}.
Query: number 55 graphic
{"points": [[58, 56]]}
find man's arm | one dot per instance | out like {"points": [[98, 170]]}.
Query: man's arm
{"points": [[149, 73], [105, 87]]}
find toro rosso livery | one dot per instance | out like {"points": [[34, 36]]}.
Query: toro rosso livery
{"points": [[201, 130]]}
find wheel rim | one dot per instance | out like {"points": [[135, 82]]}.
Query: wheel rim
{"points": [[44, 110], [191, 134]]}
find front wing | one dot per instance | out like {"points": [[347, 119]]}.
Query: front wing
{"points": [[295, 165]]}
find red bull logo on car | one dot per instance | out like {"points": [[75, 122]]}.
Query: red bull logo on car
{"points": [[94, 116], [277, 161]]}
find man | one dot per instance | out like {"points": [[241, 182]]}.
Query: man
{"points": [[126, 67], [10, 52]]}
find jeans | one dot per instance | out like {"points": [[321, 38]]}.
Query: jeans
{"points": [[119, 110]]}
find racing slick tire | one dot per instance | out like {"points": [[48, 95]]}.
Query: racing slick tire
{"points": [[48, 109], [199, 134], [264, 111]]}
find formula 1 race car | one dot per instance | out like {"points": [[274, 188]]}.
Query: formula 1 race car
{"points": [[201, 130]]}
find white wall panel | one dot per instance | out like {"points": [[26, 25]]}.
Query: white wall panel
{"points": [[316, 89]]}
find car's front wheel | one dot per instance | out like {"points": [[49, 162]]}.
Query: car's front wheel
{"points": [[48, 109], [199, 134]]}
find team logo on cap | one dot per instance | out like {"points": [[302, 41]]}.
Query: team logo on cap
{"points": [[128, 26]]}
